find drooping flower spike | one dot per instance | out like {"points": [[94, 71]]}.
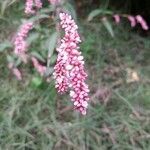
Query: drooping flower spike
{"points": [[20, 44], [29, 7], [39, 68], [38, 4], [132, 20], [142, 22], [31, 4], [15, 71], [117, 18], [69, 71]]}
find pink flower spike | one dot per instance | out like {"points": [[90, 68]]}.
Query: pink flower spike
{"points": [[142, 22], [117, 18], [40, 68], [38, 3], [139, 18], [69, 72], [17, 73], [20, 45], [29, 7], [132, 21]]}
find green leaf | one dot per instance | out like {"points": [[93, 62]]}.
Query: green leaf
{"points": [[38, 56], [38, 17], [108, 26], [49, 71], [51, 46], [53, 58], [47, 10], [4, 6], [12, 2], [97, 12], [10, 59], [36, 81], [32, 37], [18, 62], [5, 45], [94, 13], [70, 9]]}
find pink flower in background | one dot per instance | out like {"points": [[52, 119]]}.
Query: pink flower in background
{"points": [[54, 2], [142, 22], [132, 21], [38, 3], [20, 42], [15, 71], [29, 7], [40, 68], [69, 71], [117, 18]]}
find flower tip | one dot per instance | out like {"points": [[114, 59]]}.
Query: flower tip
{"points": [[83, 112]]}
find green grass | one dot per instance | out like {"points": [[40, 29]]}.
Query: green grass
{"points": [[37, 118]]}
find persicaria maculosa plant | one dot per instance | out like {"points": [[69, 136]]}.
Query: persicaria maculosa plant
{"points": [[69, 72]]}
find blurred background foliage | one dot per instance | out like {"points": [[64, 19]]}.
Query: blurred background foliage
{"points": [[34, 117]]}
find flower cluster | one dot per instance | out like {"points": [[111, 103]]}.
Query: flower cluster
{"points": [[69, 71], [29, 6], [133, 20], [40, 68], [20, 43], [38, 4]]}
